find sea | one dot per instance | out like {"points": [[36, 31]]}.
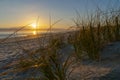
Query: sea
{"points": [[12, 33]]}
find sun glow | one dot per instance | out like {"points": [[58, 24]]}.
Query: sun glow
{"points": [[34, 32], [35, 28], [33, 25]]}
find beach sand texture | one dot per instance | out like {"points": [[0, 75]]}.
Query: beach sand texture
{"points": [[107, 69]]}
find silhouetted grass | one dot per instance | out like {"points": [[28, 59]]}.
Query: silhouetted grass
{"points": [[91, 36], [87, 40], [48, 61]]}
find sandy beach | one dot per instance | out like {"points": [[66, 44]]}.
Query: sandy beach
{"points": [[59, 39], [107, 69]]}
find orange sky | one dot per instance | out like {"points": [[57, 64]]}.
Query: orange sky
{"points": [[16, 13]]}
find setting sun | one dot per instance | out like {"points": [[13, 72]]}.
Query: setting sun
{"points": [[33, 25]]}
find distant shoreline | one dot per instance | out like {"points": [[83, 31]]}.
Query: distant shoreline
{"points": [[28, 37], [5, 33], [14, 29]]}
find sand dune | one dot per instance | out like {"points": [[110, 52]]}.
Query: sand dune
{"points": [[107, 69]]}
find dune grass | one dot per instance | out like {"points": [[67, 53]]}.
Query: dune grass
{"points": [[89, 37], [48, 61]]}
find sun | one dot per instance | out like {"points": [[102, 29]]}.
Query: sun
{"points": [[35, 28], [33, 25]]}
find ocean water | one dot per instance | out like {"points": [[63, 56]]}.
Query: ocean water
{"points": [[6, 33]]}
